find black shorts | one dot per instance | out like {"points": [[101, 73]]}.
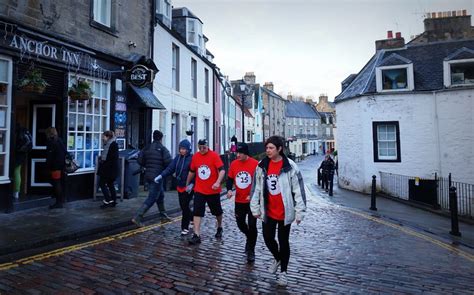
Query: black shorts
{"points": [[213, 201]]}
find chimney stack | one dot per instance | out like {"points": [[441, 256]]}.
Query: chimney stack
{"points": [[268, 85], [249, 78], [448, 25], [390, 42]]}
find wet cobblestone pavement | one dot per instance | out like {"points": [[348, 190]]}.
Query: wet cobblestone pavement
{"points": [[334, 250]]}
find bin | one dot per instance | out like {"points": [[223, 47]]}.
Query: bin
{"points": [[131, 173]]}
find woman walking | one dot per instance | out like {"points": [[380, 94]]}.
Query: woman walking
{"points": [[180, 168], [55, 162], [278, 198], [108, 169]]}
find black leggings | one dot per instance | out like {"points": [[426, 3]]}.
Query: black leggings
{"points": [[184, 200], [246, 223], [269, 230]]}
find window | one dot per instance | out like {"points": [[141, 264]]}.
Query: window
{"points": [[386, 137], [102, 11], [5, 113], [249, 136], [459, 72], [328, 131], [206, 129], [194, 77], [175, 68], [395, 78], [206, 84], [191, 32], [167, 8], [86, 122]]}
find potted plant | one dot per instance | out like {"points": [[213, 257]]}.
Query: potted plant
{"points": [[33, 82], [81, 90]]}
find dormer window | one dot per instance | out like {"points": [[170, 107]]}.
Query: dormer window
{"points": [[459, 73], [395, 78], [192, 31]]}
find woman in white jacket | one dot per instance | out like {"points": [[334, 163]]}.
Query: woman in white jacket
{"points": [[278, 198]]}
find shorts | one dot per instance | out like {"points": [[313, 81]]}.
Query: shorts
{"points": [[213, 201]]}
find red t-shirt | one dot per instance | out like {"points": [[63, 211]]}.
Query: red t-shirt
{"points": [[275, 209], [206, 168], [242, 172]]}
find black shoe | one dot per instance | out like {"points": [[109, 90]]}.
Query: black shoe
{"points": [[56, 206], [250, 256], [218, 234], [195, 239]]}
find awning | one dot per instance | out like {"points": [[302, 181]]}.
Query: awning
{"points": [[147, 98]]}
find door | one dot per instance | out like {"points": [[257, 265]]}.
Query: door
{"points": [[44, 116]]}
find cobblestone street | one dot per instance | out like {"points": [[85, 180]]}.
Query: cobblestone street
{"points": [[333, 250]]}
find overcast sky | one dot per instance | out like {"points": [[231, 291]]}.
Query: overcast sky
{"points": [[306, 47]]}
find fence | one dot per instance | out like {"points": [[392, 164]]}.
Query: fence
{"points": [[402, 187]]}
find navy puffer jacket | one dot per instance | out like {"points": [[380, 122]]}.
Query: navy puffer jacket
{"points": [[154, 157]]}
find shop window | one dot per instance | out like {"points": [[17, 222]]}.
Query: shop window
{"points": [[5, 110], [395, 78], [87, 120], [459, 73], [386, 137]]}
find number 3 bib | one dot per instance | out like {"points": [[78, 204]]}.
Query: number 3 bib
{"points": [[273, 185]]}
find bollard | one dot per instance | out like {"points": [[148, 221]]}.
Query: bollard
{"points": [[372, 194], [453, 207]]}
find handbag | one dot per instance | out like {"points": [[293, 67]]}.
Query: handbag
{"points": [[71, 164]]}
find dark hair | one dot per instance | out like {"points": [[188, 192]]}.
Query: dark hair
{"points": [[157, 135], [277, 141], [51, 132], [108, 133]]}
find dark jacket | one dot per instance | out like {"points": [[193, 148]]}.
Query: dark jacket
{"points": [[55, 154], [154, 157], [180, 165], [327, 166], [108, 169]]}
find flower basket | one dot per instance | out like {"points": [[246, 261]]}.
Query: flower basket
{"points": [[33, 82], [80, 91], [189, 132]]}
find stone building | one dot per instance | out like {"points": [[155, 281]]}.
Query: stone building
{"points": [[273, 111]]}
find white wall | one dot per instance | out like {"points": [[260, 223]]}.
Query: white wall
{"points": [[180, 101], [427, 145]]}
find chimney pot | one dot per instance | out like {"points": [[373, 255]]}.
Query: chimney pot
{"points": [[389, 34], [398, 35], [440, 14], [433, 15], [453, 13], [464, 12]]}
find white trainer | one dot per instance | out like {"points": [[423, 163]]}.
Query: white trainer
{"points": [[184, 232], [275, 264], [282, 279]]}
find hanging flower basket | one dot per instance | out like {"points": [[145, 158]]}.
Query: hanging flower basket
{"points": [[33, 82], [80, 91], [189, 132]]}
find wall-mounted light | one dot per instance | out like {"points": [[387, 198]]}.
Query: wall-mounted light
{"points": [[132, 44]]}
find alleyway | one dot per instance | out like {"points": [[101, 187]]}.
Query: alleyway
{"points": [[335, 249]]}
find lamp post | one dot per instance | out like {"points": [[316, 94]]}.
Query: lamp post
{"points": [[243, 86]]}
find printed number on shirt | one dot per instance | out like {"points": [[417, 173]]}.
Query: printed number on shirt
{"points": [[243, 180], [204, 172], [272, 184]]}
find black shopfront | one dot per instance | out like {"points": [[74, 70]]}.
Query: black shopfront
{"points": [[114, 105]]}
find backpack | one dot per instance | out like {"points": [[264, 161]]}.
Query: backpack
{"points": [[25, 141]]}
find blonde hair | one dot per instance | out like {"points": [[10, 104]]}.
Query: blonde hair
{"points": [[51, 132]]}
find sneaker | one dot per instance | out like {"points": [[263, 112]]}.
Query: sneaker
{"points": [[218, 234], [275, 264], [137, 222], [164, 217], [195, 239], [282, 279], [184, 232]]}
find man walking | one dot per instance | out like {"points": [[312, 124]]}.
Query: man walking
{"points": [[210, 171], [155, 158], [241, 173]]}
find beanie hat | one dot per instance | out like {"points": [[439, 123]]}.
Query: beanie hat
{"points": [[243, 148]]}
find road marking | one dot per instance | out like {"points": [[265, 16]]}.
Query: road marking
{"points": [[408, 231], [72, 248]]}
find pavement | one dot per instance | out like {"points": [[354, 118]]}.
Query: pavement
{"points": [[336, 249]]}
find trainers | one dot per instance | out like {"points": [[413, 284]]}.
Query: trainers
{"points": [[275, 264], [218, 234], [164, 217], [282, 279], [195, 239], [137, 222], [184, 232]]}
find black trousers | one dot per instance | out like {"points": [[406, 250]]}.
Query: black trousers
{"points": [[280, 250], [247, 224], [108, 189], [58, 190], [184, 200]]}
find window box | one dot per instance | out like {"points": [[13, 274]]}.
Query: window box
{"points": [[459, 73], [395, 78], [386, 140]]}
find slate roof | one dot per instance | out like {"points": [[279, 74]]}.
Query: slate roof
{"points": [[427, 62], [299, 109]]}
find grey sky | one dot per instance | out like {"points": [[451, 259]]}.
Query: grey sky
{"points": [[306, 47]]}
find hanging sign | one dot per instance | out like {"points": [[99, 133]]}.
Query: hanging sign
{"points": [[140, 76]]}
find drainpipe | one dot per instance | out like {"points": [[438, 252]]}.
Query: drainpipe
{"points": [[438, 141]]}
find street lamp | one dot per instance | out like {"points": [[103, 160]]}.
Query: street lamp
{"points": [[243, 87]]}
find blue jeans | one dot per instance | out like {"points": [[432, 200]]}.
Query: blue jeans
{"points": [[155, 194]]}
